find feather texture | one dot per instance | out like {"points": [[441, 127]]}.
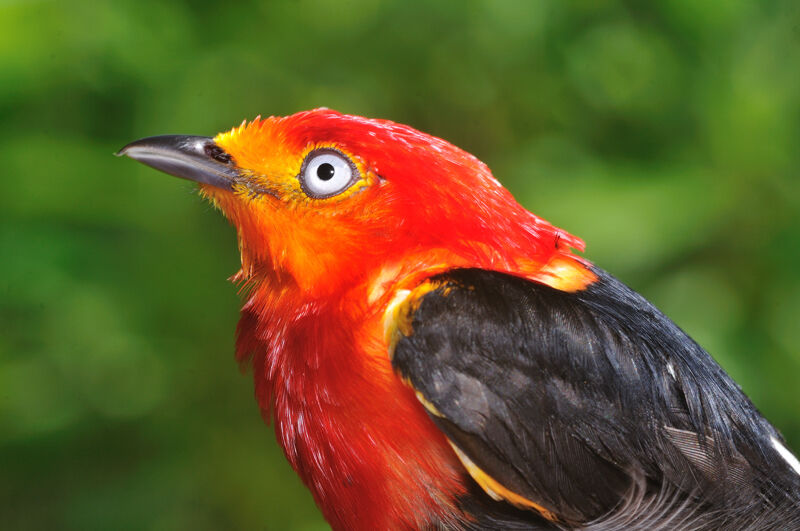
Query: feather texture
{"points": [[568, 400]]}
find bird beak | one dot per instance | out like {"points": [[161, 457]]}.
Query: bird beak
{"points": [[197, 158]]}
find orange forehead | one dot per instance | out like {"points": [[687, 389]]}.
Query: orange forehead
{"points": [[271, 152], [283, 140], [259, 144]]}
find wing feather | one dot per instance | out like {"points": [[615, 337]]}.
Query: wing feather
{"points": [[565, 402]]}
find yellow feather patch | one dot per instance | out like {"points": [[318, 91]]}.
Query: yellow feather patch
{"points": [[497, 491], [428, 404], [565, 274], [399, 313]]}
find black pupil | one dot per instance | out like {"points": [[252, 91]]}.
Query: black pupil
{"points": [[325, 171]]}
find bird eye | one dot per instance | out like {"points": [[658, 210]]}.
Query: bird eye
{"points": [[326, 172]]}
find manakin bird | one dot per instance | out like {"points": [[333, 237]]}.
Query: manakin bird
{"points": [[434, 356]]}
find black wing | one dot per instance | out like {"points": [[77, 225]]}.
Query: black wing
{"points": [[588, 405]]}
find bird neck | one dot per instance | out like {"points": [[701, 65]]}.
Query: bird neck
{"points": [[354, 433]]}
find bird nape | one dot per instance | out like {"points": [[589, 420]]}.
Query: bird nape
{"points": [[433, 355]]}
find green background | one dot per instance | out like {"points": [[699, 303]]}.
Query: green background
{"points": [[666, 134]]}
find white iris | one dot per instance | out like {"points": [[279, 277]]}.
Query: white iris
{"points": [[326, 173]]}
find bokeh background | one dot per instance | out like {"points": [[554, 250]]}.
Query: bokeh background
{"points": [[666, 134]]}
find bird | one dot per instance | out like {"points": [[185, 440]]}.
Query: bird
{"points": [[432, 355]]}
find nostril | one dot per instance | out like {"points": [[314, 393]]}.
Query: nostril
{"points": [[217, 153]]}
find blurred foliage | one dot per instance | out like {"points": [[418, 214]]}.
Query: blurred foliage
{"points": [[664, 133]]}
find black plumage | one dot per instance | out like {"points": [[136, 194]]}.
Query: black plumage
{"points": [[594, 406]]}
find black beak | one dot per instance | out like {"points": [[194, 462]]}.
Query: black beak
{"points": [[197, 158]]}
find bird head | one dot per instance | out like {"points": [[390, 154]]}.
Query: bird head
{"points": [[323, 200]]}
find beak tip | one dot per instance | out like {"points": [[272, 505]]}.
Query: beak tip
{"points": [[143, 145], [125, 151]]}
